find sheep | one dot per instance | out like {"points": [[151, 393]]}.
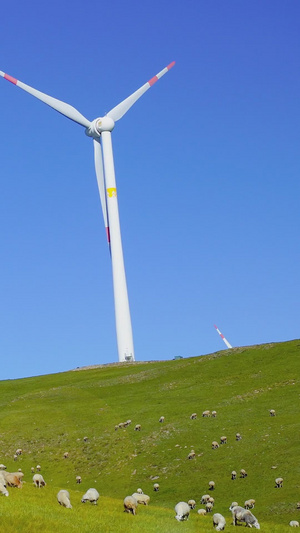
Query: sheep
{"points": [[214, 445], [219, 522], [212, 501], [234, 504], [85, 439], [238, 436], [32, 469], [192, 504], [272, 412], [192, 454], [156, 487], [201, 512], [15, 457], [38, 480], [66, 455], [140, 491], [128, 422], [239, 514], [243, 473], [249, 504], [294, 523], [211, 485], [78, 479], [182, 510], [233, 474], [3, 467], [214, 414], [38, 467], [206, 414], [121, 425], [223, 440], [298, 505], [130, 505], [162, 419], [144, 499], [193, 416], [278, 482], [12, 480], [3, 489], [137, 427], [19, 451], [205, 498], [63, 498], [116, 427], [208, 507], [91, 495]]}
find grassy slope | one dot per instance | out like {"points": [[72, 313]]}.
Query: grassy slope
{"points": [[49, 415]]}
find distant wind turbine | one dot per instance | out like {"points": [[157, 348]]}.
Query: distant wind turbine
{"points": [[100, 131], [222, 337]]}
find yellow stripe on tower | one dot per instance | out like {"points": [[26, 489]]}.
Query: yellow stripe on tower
{"points": [[112, 192]]}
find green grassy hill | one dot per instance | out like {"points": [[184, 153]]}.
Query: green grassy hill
{"points": [[49, 415]]}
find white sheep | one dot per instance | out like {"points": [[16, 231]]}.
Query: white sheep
{"points": [[223, 440], [63, 498], [19, 451], [85, 439], [298, 505], [201, 512], [239, 514], [3, 467], [278, 482], [144, 499], [211, 500], [38, 467], [32, 469], [294, 523], [249, 504], [272, 412], [156, 487], [193, 416], [130, 505], [66, 455], [91, 495], [243, 473], [214, 445], [192, 504], [234, 504], [137, 427], [205, 498], [219, 522], [18, 474], [206, 413], [38, 480], [238, 436], [162, 419], [3, 489], [78, 479], [211, 485], [140, 491], [233, 474], [214, 414], [209, 507], [192, 454], [182, 510]]}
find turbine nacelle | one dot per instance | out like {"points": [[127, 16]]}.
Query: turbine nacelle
{"points": [[99, 125]]}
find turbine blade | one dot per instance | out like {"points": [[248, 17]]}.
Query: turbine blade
{"points": [[101, 184], [119, 111], [222, 337], [63, 108]]}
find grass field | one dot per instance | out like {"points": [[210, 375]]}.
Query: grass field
{"points": [[49, 415]]}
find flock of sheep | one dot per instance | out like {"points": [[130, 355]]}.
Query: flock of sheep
{"points": [[131, 502]]}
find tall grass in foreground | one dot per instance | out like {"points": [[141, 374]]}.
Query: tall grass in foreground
{"points": [[48, 415]]}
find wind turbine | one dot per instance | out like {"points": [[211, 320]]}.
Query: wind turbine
{"points": [[100, 131], [223, 338]]}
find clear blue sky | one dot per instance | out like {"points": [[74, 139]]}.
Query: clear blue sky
{"points": [[207, 167]]}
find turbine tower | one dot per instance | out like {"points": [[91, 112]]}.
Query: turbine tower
{"points": [[100, 131], [223, 338]]}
